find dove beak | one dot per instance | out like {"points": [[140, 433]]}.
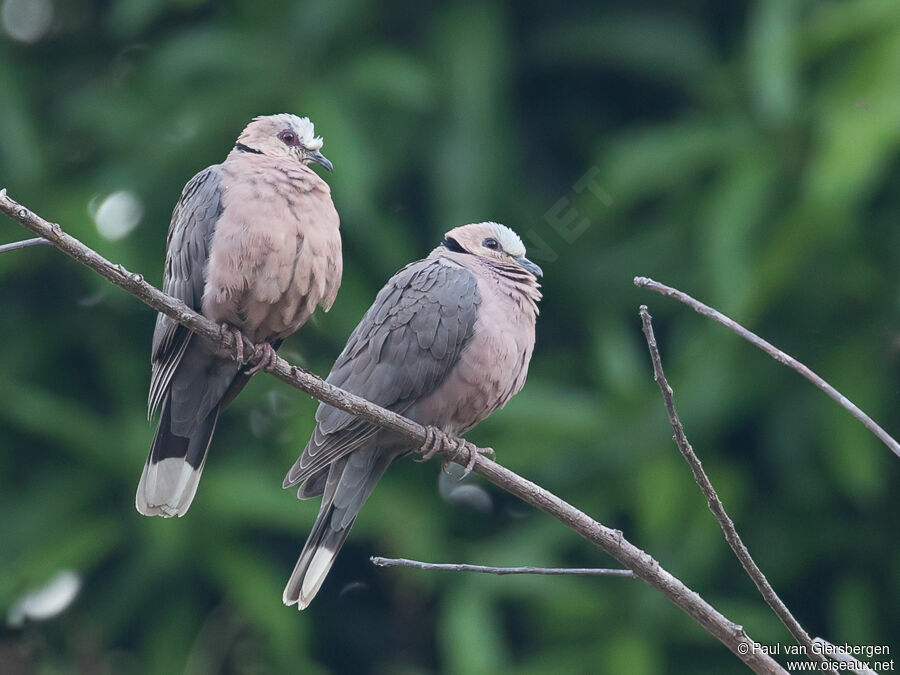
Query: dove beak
{"points": [[318, 158], [526, 264]]}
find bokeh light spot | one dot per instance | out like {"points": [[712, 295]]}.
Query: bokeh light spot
{"points": [[47, 601], [26, 20], [118, 214]]}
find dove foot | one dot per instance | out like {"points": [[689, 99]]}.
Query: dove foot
{"points": [[238, 341], [263, 358], [474, 451], [437, 441]]}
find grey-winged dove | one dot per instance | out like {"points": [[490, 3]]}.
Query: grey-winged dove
{"points": [[254, 246], [446, 343]]}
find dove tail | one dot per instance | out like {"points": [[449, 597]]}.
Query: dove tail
{"points": [[351, 480], [172, 472], [319, 553]]}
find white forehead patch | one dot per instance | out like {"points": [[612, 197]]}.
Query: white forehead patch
{"points": [[305, 129], [509, 240]]}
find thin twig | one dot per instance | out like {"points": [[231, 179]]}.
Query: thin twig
{"points": [[37, 241], [775, 353], [715, 504], [484, 569], [611, 541]]}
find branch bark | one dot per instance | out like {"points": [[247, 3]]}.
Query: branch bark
{"points": [[485, 569], [609, 540], [775, 353]]}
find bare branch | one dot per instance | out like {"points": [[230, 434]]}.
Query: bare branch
{"points": [[775, 353], [37, 241], [715, 504], [611, 541], [484, 569]]}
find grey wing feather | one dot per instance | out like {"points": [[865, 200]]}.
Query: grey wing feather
{"points": [[400, 352], [187, 250]]}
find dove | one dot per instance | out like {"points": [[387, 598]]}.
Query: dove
{"points": [[447, 342], [254, 245]]}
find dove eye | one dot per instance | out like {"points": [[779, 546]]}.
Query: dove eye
{"points": [[491, 243], [288, 137]]}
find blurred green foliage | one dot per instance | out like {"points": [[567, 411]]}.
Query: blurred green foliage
{"points": [[749, 153]]}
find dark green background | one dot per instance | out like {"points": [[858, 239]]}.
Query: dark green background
{"points": [[750, 151]]}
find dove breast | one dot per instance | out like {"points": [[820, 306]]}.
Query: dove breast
{"points": [[276, 253]]}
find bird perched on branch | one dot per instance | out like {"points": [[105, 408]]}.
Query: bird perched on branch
{"points": [[254, 246], [446, 343]]}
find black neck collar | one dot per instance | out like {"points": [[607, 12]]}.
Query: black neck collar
{"points": [[451, 244], [240, 147]]}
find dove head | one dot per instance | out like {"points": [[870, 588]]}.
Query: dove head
{"points": [[494, 242], [284, 136]]}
